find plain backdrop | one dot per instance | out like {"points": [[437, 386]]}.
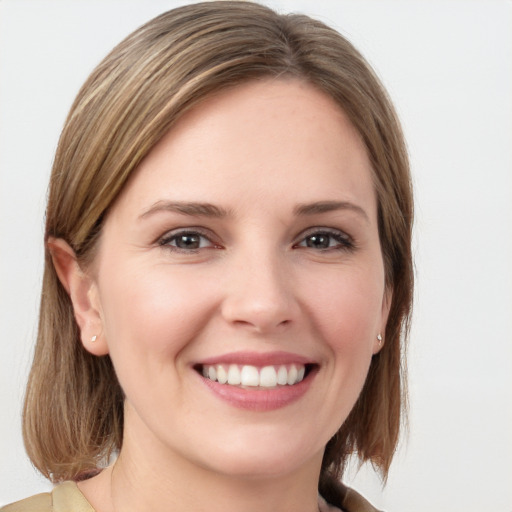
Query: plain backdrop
{"points": [[448, 67]]}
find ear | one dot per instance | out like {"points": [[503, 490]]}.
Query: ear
{"points": [[386, 306], [83, 292]]}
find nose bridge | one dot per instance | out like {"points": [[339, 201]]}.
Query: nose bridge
{"points": [[259, 291]]}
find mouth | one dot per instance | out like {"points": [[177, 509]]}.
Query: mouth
{"points": [[258, 382], [253, 377]]}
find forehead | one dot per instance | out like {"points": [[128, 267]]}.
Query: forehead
{"points": [[271, 136]]}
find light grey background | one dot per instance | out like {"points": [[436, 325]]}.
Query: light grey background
{"points": [[448, 67]]}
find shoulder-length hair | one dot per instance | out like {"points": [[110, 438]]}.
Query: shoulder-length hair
{"points": [[73, 414]]}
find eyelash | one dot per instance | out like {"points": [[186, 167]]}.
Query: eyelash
{"points": [[343, 241]]}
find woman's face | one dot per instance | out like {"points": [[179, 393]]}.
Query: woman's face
{"points": [[246, 248]]}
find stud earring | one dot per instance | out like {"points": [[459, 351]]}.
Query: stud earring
{"points": [[94, 338], [379, 339]]}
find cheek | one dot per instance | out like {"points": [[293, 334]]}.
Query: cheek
{"points": [[348, 313], [154, 313]]}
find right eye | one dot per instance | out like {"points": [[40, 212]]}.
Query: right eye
{"points": [[186, 241]]}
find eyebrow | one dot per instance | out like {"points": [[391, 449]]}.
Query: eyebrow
{"points": [[329, 206], [196, 209], [186, 208]]}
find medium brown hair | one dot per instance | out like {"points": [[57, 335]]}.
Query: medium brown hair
{"points": [[73, 416]]}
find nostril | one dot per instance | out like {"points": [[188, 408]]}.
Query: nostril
{"points": [[261, 324]]}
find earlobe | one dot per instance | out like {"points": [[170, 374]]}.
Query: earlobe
{"points": [[82, 291], [378, 344], [386, 306]]}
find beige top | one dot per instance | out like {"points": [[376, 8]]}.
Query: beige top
{"points": [[66, 497]]}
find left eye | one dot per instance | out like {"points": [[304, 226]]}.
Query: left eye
{"points": [[186, 241], [325, 240]]}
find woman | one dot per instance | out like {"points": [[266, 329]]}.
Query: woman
{"points": [[228, 273]]}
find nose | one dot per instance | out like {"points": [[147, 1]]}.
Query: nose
{"points": [[259, 294]]}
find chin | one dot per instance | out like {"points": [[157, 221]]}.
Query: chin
{"points": [[261, 458]]}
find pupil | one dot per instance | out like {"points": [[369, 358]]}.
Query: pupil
{"points": [[188, 242], [318, 241]]}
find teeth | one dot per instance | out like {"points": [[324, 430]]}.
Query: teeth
{"points": [[222, 375], [268, 377], [249, 376], [292, 375], [282, 375], [234, 378], [252, 376]]}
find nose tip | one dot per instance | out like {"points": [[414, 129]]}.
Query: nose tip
{"points": [[261, 300], [258, 318]]}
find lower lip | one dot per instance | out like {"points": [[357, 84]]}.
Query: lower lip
{"points": [[258, 399]]}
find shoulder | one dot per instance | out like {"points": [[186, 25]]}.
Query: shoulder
{"points": [[345, 498], [65, 497], [38, 503], [354, 502]]}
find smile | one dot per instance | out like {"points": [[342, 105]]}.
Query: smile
{"points": [[253, 376], [258, 382]]}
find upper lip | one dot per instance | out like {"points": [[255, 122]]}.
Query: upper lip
{"points": [[257, 359]]}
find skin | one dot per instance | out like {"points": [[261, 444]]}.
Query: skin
{"points": [[259, 282]]}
